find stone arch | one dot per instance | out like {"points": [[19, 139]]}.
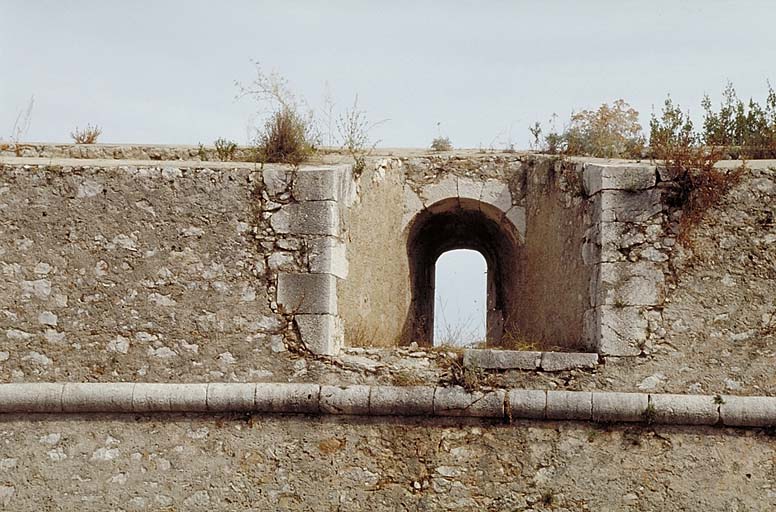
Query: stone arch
{"points": [[456, 222]]}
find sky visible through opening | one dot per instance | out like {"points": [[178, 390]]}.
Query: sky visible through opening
{"points": [[460, 298]]}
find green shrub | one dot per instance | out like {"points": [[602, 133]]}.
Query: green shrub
{"points": [[225, 149], [697, 184], [743, 130]]}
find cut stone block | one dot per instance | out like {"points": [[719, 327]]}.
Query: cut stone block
{"points": [[469, 188], [631, 177], [445, 189], [456, 401], [591, 246], [628, 284], [527, 403], [321, 334], [230, 396], [412, 206], [345, 399], [561, 361], [622, 206], [154, 397], [516, 215], [307, 218], [319, 184], [276, 180], [31, 397], [401, 401], [569, 405], [98, 397], [748, 411], [496, 193], [620, 406], [683, 409], [328, 256], [501, 359], [287, 398], [307, 293], [604, 242], [615, 331]]}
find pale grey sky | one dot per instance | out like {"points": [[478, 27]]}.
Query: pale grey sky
{"points": [[163, 72], [460, 298]]}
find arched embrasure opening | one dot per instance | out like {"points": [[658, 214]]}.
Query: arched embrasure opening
{"points": [[462, 224], [460, 298]]}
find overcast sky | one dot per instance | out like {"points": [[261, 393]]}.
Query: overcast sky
{"points": [[164, 72]]}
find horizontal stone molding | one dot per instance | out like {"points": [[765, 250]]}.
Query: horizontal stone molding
{"points": [[364, 400]]}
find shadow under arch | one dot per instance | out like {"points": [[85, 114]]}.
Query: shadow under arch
{"points": [[460, 223]]}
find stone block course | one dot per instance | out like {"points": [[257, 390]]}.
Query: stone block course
{"points": [[563, 361], [469, 188], [412, 206], [403, 401], [616, 330], [328, 255], [683, 409], [616, 407], [496, 359], [496, 193], [277, 180], [624, 206], [456, 401], [32, 397], [516, 215], [307, 218], [154, 397], [569, 405], [446, 188], [321, 334], [527, 403], [630, 177], [112, 397], [231, 396], [628, 284], [352, 399], [287, 398], [748, 411], [307, 293], [319, 184]]}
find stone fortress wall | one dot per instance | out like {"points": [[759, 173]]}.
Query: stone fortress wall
{"points": [[183, 271]]}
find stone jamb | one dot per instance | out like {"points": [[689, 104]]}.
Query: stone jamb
{"points": [[310, 294]]}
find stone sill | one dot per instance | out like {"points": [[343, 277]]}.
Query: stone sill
{"points": [[494, 359], [485, 359]]}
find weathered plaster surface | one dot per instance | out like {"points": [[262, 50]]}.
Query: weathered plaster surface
{"points": [[127, 273]]}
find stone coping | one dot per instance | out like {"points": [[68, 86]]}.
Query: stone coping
{"points": [[308, 398], [497, 359], [179, 153]]}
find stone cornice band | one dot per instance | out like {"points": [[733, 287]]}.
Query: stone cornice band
{"points": [[598, 406]]}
